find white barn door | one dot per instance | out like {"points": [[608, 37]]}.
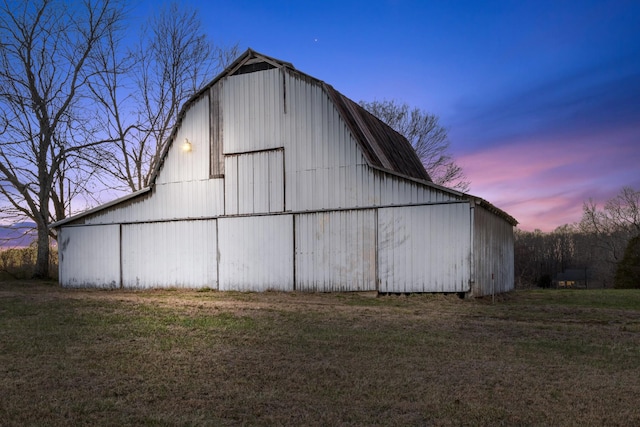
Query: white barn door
{"points": [[169, 254], [424, 248]]}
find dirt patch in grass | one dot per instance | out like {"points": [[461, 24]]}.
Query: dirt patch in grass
{"points": [[173, 357]]}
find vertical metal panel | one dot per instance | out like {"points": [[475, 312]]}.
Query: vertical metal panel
{"points": [[252, 107], [336, 251], [256, 253], [89, 256], [260, 184], [215, 132], [424, 248], [231, 185], [493, 253], [245, 184], [191, 165], [169, 254], [276, 181], [188, 199]]}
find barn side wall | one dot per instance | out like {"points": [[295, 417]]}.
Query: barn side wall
{"points": [[493, 260]]}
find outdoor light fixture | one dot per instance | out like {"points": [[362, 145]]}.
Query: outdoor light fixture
{"points": [[186, 146]]}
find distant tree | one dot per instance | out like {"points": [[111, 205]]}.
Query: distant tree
{"points": [[539, 257], [429, 139], [142, 94], [48, 145], [628, 269], [613, 226]]}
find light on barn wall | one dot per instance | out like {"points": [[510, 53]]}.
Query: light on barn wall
{"points": [[186, 146]]}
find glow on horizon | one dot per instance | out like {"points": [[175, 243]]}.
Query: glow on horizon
{"points": [[544, 183]]}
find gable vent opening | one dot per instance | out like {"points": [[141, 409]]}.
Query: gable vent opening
{"points": [[252, 68]]}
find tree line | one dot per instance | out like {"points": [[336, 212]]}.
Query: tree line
{"points": [[605, 244]]}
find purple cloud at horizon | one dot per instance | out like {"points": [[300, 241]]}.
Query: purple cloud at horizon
{"points": [[544, 183]]}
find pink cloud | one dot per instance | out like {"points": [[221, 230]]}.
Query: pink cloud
{"points": [[543, 183]]}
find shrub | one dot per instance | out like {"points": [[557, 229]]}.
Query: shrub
{"points": [[544, 281], [628, 270], [19, 263]]}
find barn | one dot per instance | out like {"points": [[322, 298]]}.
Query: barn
{"points": [[274, 180]]}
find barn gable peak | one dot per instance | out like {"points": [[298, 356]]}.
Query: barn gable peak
{"points": [[251, 61]]}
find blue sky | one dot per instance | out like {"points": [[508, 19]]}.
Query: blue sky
{"points": [[541, 98]]}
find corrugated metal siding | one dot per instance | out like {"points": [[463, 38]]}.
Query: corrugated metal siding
{"points": [[336, 251], [256, 253], [493, 254], [193, 165], [169, 254], [89, 256], [252, 108], [424, 248], [254, 182], [189, 199]]}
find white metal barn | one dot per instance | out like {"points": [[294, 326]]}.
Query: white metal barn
{"points": [[288, 185]]}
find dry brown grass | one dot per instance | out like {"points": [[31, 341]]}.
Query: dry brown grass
{"points": [[87, 357]]}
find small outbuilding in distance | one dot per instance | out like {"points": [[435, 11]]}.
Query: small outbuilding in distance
{"points": [[288, 185]]}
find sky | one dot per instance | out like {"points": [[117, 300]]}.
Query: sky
{"points": [[541, 98]]}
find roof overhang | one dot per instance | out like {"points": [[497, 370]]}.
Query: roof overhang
{"points": [[105, 206]]}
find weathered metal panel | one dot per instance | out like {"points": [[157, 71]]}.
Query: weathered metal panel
{"points": [[180, 165], [245, 184], [254, 182], [252, 108], [493, 253], [231, 185], [276, 181], [256, 253], [188, 199], [424, 248], [89, 256], [336, 251], [169, 254], [216, 131]]}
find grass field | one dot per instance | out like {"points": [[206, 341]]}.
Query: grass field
{"points": [[87, 357]]}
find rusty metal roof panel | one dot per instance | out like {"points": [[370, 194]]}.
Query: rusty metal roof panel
{"points": [[383, 146]]}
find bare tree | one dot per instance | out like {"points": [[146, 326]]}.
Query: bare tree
{"points": [[613, 226], [46, 53], [144, 90], [428, 138]]}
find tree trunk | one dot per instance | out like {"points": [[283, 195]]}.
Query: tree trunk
{"points": [[41, 270]]}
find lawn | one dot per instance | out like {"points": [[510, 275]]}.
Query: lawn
{"points": [[173, 357]]}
